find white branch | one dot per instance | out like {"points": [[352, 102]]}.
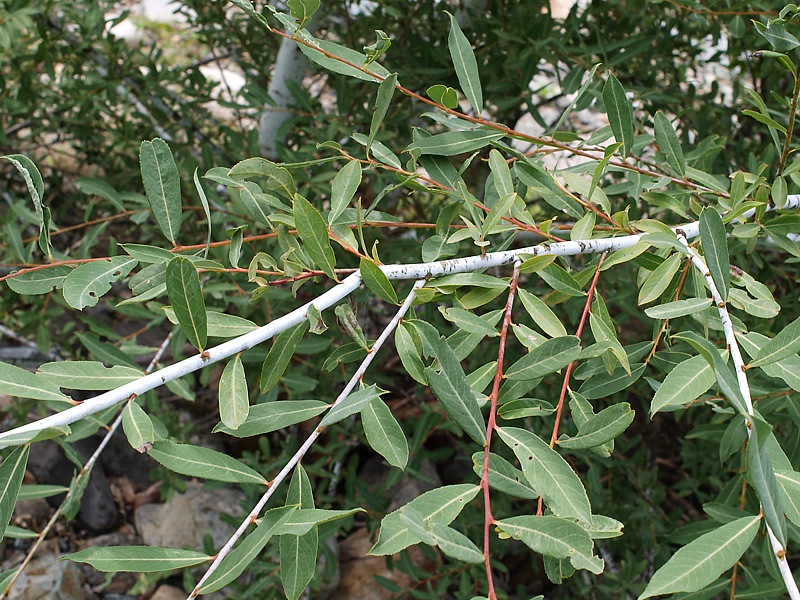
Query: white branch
{"points": [[273, 485], [324, 301], [738, 365]]}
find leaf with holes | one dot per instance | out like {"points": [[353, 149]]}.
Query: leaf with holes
{"points": [[42, 281], [86, 284]]}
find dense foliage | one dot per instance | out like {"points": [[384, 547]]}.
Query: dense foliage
{"points": [[614, 342]]}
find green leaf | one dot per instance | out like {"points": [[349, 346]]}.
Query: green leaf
{"points": [[304, 520], [715, 246], [219, 324], [203, 463], [455, 544], [685, 383], [245, 553], [790, 483], [409, 354], [234, 399], [777, 36], [343, 188], [88, 375], [620, 112], [469, 321], [726, 378], [601, 428], [465, 64], [444, 95], [761, 476], [23, 437], [669, 143], [87, 283], [779, 191], [700, 562], [441, 505], [148, 254], [302, 10], [201, 193], [549, 474], [312, 230], [382, 101], [451, 143], [12, 470], [678, 308], [137, 559], [503, 476], [35, 184], [378, 48], [375, 279], [298, 554], [16, 381], [603, 385], [549, 357], [451, 388], [138, 427], [542, 315], [785, 344], [42, 281], [186, 296], [354, 403], [162, 185], [34, 492], [658, 281], [384, 433], [272, 416], [273, 177], [554, 536], [279, 356], [561, 281]]}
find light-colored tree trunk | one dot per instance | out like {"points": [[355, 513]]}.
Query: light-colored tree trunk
{"points": [[290, 65]]}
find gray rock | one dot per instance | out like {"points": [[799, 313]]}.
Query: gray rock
{"points": [[48, 578], [187, 518]]}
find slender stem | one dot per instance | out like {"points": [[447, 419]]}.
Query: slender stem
{"points": [[790, 127], [84, 472], [488, 518], [738, 363], [273, 485], [565, 385]]}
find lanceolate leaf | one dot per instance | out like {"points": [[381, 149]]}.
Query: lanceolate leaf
{"points": [[503, 476], [784, 344], [352, 404], [88, 374], [42, 281], [245, 553], [549, 474], [312, 230], [186, 296], [761, 476], [456, 142], [384, 433], [601, 428], [35, 184], [382, 101], [659, 279], [19, 382], [554, 536], [162, 186], [272, 416], [204, 463], [409, 354], [138, 559], [343, 188], [138, 427], [620, 112], [234, 399], [451, 387], [275, 177], [12, 470], [87, 283], [299, 553], [715, 246], [546, 358], [377, 281], [201, 193], [669, 143], [542, 315], [441, 505], [685, 383], [279, 356], [699, 563], [678, 308], [465, 64]]}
